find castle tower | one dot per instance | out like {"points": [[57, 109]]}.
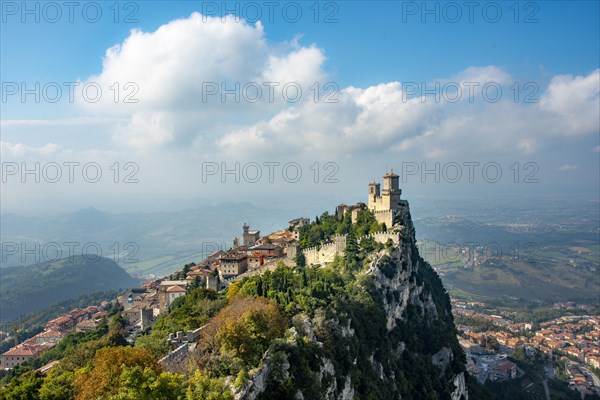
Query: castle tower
{"points": [[391, 191], [246, 234], [374, 194], [374, 189], [250, 237]]}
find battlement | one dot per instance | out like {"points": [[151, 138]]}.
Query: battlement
{"points": [[187, 337], [173, 361], [376, 234], [320, 247], [337, 238]]}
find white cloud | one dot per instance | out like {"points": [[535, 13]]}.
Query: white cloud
{"points": [[145, 130], [175, 71], [21, 150], [480, 76], [381, 118], [574, 101], [172, 65], [568, 167]]}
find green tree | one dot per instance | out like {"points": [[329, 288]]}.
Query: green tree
{"points": [[300, 259], [203, 387], [24, 387], [157, 344], [242, 378], [58, 386], [99, 380], [351, 254], [137, 383]]}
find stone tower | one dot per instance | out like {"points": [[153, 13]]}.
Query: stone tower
{"points": [[374, 194], [391, 191], [250, 237], [387, 199], [246, 234]]}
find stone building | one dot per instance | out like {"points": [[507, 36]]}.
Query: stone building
{"points": [[169, 291], [255, 260], [386, 204], [233, 264], [389, 198], [267, 250], [23, 352], [250, 237], [504, 371]]}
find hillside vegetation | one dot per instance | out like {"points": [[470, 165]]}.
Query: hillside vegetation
{"points": [[26, 289]]}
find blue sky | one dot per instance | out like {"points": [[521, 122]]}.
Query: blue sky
{"points": [[370, 42], [370, 50]]}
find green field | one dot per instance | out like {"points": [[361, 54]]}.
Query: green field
{"points": [[568, 272]]}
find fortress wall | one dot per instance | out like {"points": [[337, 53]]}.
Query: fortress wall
{"points": [[323, 255], [326, 253], [175, 360], [384, 217]]}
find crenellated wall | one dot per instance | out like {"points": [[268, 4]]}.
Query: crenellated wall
{"points": [[176, 360], [326, 253]]}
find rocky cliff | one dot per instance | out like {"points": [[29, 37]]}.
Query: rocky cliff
{"points": [[385, 332]]}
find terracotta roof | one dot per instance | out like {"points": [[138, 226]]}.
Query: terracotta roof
{"points": [[505, 366], [233, 257], [172, 283], [265, 246], [60, 320], [48, 333], [175, 289], [282, 235], [100, 314], [77, 313], [27, 350], [198, 273]]}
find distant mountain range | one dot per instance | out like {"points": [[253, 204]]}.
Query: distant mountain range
{"points": [[144, 244], [26, 289]]}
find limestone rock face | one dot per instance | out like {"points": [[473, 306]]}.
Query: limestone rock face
{"points": [[461, 388]]}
